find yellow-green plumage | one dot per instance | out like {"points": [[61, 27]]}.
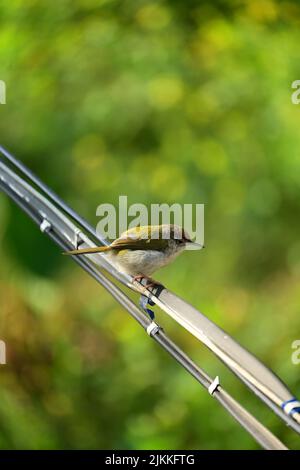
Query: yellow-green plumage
{"points": [[142, 250]]}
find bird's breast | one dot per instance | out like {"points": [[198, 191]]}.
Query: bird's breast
{"points": [[136, 262]]}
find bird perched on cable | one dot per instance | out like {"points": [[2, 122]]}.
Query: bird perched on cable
{"points": [[142, 250]]}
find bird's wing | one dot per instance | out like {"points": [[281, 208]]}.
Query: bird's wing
{"points": [[139, 244], [128, 241]]}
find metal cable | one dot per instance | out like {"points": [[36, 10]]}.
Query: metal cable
{"points": [[62, 231], [259, 432]]}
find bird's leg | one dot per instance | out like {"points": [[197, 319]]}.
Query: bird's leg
{"points": [[139, 277], [149, 281], [154, 287]]}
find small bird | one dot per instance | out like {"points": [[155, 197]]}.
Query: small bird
{"points": [[142, 250]]}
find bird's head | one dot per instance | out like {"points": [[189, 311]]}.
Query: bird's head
{"points": [[179, 237]]}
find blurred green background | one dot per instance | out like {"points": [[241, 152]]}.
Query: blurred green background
{"points": [[165, 101]]}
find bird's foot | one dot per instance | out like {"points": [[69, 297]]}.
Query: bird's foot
{"points": [[150, 283], [154, 287]]}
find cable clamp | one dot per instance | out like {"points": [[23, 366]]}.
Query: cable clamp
{"points": [[291, 407], [153, 328], [214, 386], [77, 231], [45, 226]]}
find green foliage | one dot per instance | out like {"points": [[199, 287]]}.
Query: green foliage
{"points": [[165, 101]]}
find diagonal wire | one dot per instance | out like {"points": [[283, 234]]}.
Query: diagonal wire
{"points": [[259, 432], [11, 184], [261, 380]]}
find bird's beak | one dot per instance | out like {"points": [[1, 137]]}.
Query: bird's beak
{"points": [[193, 246]]}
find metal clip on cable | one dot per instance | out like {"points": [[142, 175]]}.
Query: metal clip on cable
{"points": [[153, 329], [214, 386]]}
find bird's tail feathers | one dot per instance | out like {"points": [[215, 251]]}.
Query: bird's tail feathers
{"points": [[86, 251]]}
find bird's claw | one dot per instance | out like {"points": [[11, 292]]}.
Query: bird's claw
{"points": [[154, 287], [150, 283]]}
